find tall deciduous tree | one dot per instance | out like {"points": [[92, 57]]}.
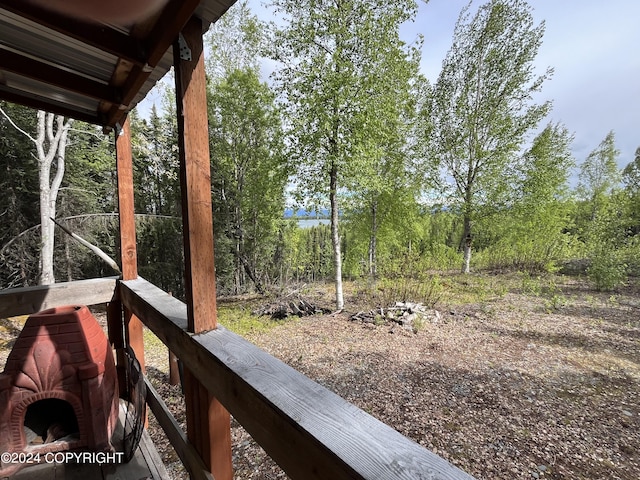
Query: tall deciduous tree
{"points": [[601, 221], [235, 42], [631, 174], [599, 173], [248, 170], [533, 230], [335, 56], [482, 103], [631, 180], [50, 143]]}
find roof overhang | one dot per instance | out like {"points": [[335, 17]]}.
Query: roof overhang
{"points": [[93, 72]]}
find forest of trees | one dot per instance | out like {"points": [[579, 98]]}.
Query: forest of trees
{"points": [[461, 174]]}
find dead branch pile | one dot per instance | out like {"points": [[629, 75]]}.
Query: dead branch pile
{"points": [[410, 316], [284, 308]]}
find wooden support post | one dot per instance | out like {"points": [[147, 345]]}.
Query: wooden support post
{"points": [[128, 251], [208, 423], [174, 369]]}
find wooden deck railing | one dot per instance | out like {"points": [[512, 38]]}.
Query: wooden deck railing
{"points": [[308, 430], [28, 300]]}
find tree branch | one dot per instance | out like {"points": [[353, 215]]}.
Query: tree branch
{"points": [[100, 253], [16, 126]]}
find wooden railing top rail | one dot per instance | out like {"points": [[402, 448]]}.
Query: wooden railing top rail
{"points": [[308, 430], [28, 300]]}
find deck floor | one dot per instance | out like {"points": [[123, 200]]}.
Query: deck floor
{"points": [[145, 465]]}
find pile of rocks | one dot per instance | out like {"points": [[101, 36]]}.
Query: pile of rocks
{"points": [[408, 315]]}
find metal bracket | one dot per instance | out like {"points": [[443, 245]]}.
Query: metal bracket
{"points": [[185, 51]]}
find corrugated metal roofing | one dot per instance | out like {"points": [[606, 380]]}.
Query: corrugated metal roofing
{"points": [[93, 72]]}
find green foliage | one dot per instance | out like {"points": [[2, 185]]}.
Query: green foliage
{"points": [[305, 254], [235, 43], [607, 270], [606, 243], [603, 220], [599, 174], [345, 79], [532, 235], [631, 174], [482, 106], [157, 200], [19, 185], [249, 175]]}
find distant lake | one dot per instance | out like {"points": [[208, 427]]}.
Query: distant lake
{"points": [[312, 222]]}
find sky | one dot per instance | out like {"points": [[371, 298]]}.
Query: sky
{"points": [[592, 45]]}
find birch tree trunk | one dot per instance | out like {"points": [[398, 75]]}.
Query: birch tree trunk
{"points": [[335, 234], [51, 144], [373, 241]]}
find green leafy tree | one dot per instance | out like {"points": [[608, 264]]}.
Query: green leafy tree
{"points": [[601, 223], [383, 192], [19, 185], [332, 55], [599, 173], [482, 105], [532, 234], [249, 172], [631, 174], [631, 180], [235, 42]]}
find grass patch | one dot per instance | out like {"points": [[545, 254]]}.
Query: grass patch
{"points": [[241, 321], [460, 289]]}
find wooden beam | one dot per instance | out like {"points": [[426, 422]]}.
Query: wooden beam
{"points": [[128, 249], [28, 300], [174, 18], [58, 77], [195, 178], [308, 430], [209, 424]]}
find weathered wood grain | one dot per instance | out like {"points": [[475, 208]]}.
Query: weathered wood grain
{"points": [[208, 425], [309, 431], [195, 180], [28, 300]]}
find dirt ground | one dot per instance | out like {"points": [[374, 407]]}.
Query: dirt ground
{"points": [[519, 378]]}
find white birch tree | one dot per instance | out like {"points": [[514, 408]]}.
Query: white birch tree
{"points": [[483, 104], [334, 57], [51, 143]]}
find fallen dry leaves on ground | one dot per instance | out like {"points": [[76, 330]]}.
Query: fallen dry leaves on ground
{"points": [[518, 386], [515, 387]]}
